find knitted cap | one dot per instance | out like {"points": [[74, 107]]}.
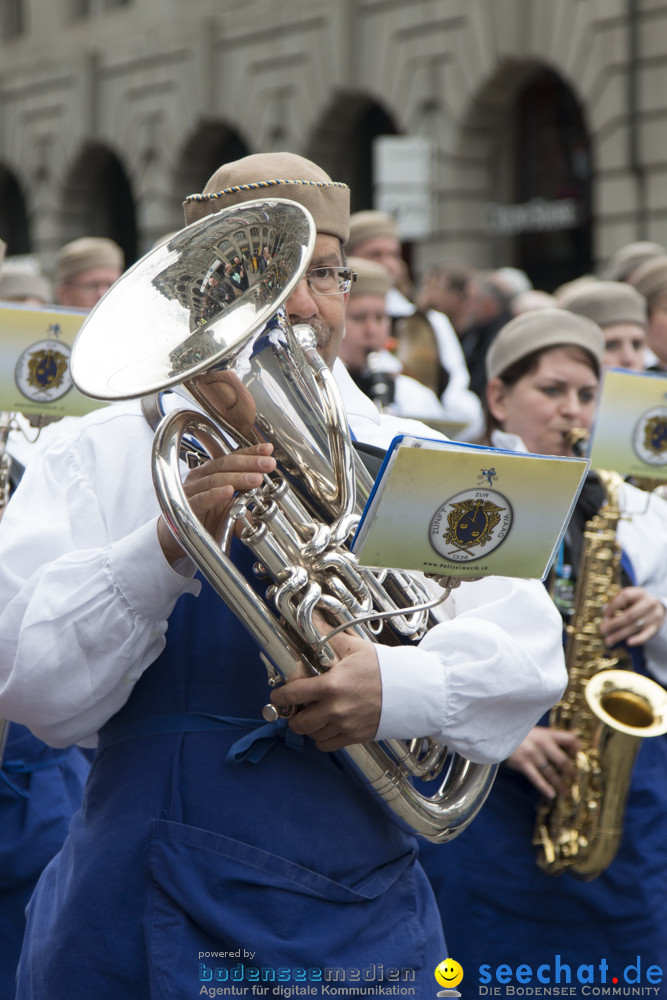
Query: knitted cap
{"points": [[275, 175], [372, 278], [538, 330], [369, 224], [86, 253], [18, 285], [607, 303], [629, 257], [650, 279]]}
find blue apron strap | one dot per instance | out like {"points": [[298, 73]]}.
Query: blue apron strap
{"points": [[629, 568], [251, 747], [20, 766]]}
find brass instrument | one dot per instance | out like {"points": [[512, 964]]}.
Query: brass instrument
{"points": [[417, 350], [655, 486], [256, 379], [610, 708]]}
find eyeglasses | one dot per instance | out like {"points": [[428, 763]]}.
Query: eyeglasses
{"points": [[330, 280]]}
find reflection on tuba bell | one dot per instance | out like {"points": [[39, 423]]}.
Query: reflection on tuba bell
{"points": [[254, 378]]}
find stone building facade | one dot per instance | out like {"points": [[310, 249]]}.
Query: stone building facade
{"points": [[542, 121]]}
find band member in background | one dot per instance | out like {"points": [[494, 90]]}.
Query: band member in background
{"points": [[363, 350], [650, 280], [211, 841], [374, 236], [623, 264], [25, 286], [497, 905], [86, 268], [620, 312]]}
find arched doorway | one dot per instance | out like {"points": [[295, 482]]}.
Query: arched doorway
{"points": [[342, 143], [14, 226], [98, 200], [551, 218], [208, 147]]}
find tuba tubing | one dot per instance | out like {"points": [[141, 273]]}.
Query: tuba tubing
{"points": [[437, 818]]}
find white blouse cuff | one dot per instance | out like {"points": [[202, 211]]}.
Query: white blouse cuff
{"points": [[141, 573], [414, 693]]}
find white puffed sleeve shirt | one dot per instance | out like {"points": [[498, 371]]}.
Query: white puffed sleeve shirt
{"points": [[86, 594]]}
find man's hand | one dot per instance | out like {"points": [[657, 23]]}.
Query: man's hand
{"points": [[546, 759], [341, 706], [210, 490], [633, 616]]}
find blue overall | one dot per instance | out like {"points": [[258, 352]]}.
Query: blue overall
{"points": [[40, 789], [215, 849], [500, 908]]}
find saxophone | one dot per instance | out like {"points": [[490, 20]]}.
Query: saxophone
{"points": [[610, 708]]}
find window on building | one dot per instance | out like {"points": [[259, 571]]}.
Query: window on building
{"points": [[13, 19]]}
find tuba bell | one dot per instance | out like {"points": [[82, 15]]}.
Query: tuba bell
{"points": [[252, 378]]}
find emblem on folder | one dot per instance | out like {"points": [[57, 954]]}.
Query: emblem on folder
{"points": [[471, 524], [650, 436], [42, 371]]}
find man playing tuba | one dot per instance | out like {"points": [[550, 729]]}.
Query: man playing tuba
{"points": [[214, 848]]}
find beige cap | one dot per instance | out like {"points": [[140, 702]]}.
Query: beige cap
{"points": [[570, 286], [18, 285], [607, 303], [631, 256], [372, 278], [650, 278], [540, 329], [275, 175], [368, 225], [86, 253]]}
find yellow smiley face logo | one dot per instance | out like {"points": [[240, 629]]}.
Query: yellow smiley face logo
{"points": [[449, 973]]}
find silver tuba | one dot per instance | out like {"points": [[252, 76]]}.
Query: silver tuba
{"points": [[175, 320]]}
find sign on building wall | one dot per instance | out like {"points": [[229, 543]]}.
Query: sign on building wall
{"points": [[403, 172]]}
